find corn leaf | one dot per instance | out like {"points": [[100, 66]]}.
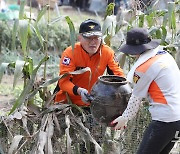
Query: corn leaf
{"points": [[37, 32], [25, 126], [28, 87], [50, 132], [33, 108], [158, 34], [58, 106], [57, 19], [42, 141], [86, 133], [23, 34], [109, 10], [15, 143], [29, 63], [56, 124], [35, 27], [121, 58], [165, 20], [109, 25], [72, 31], [21, 11], [150, 19], [171, 15], [17, 115], [152, 31], [3, 67], [51, 81], [69, 140], [141, 20], [18, 71], [14, 32], [41, 13], [107, 40], [164, 33]]}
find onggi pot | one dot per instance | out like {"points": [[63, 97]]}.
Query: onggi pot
{"points": [[110, 95]]}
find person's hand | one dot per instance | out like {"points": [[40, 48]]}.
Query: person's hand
{"points": [[120, 123], [84, 94]]}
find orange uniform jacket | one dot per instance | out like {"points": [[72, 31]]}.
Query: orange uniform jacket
{"points": [[79, 59]]}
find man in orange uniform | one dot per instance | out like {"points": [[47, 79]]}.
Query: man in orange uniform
{"points": [[88, 52]]}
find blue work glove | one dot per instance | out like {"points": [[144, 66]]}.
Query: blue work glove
{"points": [[84, 95]]}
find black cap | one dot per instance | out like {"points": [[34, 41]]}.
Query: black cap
{"points": [[138, 41], [90, 27]]}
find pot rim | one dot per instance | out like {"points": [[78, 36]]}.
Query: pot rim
{"points": [[111, 76]]}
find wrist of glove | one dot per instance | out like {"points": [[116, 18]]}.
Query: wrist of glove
{"points": [[120, 123], [84, 94]]}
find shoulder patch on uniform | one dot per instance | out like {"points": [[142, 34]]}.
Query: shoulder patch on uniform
{"points": [[66, 61], [136, 78], [161, 52]]}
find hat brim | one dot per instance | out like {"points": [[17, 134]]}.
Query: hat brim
{"points": [[89, 34], [138, 49]]}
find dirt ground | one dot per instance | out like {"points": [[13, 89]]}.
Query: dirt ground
{"points": [[7, 93]]}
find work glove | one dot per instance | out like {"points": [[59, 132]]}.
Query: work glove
{"points": [[84, 95], [120, 123]]}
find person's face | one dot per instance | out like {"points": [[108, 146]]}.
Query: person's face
{"points": [[90, 44]]}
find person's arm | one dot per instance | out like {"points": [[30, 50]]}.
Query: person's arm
{"points": [[140, 90], [67, 65], [113, 67], [129, 113], [68, 86]]}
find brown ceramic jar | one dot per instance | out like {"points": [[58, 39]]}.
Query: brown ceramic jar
{"points": [[110, 97]]}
